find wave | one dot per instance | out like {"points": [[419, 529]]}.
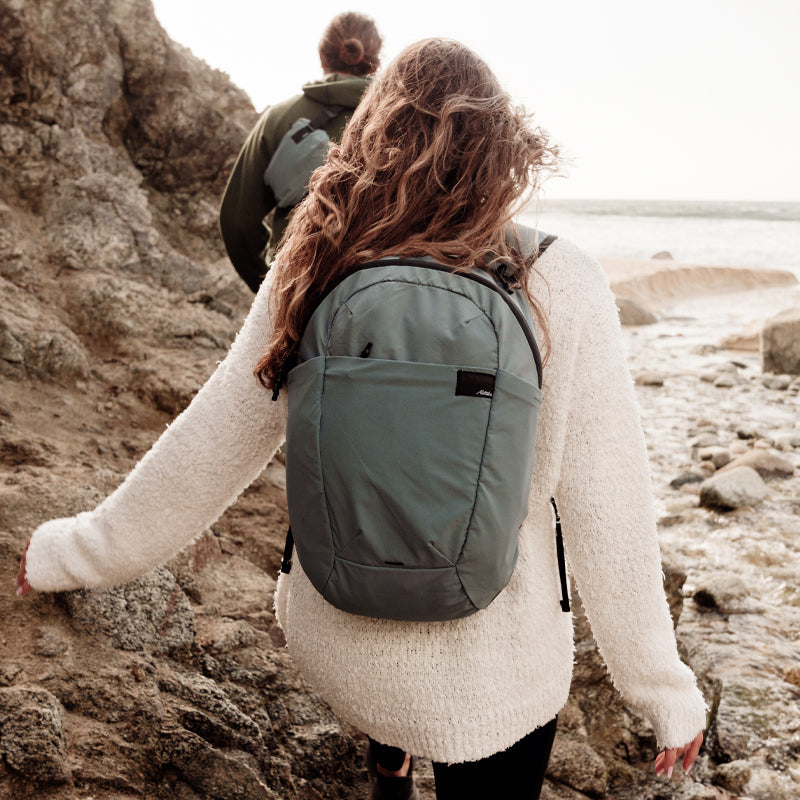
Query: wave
{"points": [[670, 209], [657, 284]]}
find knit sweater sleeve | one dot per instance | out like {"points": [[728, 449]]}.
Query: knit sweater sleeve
{"points": [[605, 501], [195, 470]]}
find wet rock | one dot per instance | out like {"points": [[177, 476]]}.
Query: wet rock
{"points": [[151, 612], [721, 592], [746, 340], [793, 676], [746, 432], [674, 579], [787, 441], [735, 775], [738, 447], [740, 486], [706, 469], [768, 465], [632, 312], [31, 738], [649, 379], [779, 382], [780, 343], [704, 349], [705, 439], [717, 455], [686, 478], [727, 380], [575, 764]]}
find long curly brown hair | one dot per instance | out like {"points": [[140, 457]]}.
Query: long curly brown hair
{"points": [[435, 161]]}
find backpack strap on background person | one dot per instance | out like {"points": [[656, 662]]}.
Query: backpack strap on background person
{"points": [[320, 121]]}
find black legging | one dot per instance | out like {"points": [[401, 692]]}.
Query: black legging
{"points": [[513, 774]]}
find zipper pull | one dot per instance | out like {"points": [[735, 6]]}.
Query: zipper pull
{"points": [[562, 567]]}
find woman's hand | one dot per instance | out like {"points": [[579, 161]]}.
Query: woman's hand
{"points": [[665, 760], [23, 587]]}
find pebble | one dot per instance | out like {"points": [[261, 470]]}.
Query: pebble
{"points": [[704, 440], [735, 775], [717, 455], [780, 382], [727, 380], [766, 464], [721, 591], [787, 441], [649, 379], [686, 478]]}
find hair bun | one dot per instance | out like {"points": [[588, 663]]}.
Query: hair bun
{"points": [[351, 51]]}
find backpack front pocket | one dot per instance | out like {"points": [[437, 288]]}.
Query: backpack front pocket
{"points": [[386, 459]]}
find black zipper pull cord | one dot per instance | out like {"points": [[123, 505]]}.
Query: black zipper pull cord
{"points": [[276, 388], [562, 567], [286, 561]]}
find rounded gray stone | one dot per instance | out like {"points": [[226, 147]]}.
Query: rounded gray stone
{"points": [[727, 490]]}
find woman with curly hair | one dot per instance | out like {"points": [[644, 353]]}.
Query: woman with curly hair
{"points": [[434, 163]]}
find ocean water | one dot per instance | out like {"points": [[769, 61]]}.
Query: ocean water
{"points": [[741, 234]]}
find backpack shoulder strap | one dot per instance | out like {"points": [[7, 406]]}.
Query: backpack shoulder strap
{"points": [[549, 238], [322, 119]]}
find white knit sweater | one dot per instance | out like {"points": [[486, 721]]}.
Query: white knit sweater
{"points": [[458, 690]]}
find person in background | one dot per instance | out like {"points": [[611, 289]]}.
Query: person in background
{"points": [[251, 222], [435, 162]]}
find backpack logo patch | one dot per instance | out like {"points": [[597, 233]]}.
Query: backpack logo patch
{"points": [[474, 384]]}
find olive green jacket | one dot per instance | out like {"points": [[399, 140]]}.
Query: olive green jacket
{"points": [[252, 225]]}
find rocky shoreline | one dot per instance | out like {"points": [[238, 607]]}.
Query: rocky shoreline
{"points": [[723, 439]]}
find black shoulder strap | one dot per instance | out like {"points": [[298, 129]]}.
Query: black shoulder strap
{"points": [[549, 238], [322, 119]]}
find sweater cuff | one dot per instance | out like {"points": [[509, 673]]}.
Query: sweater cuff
{"points": [[43, 563], [676, 721]]}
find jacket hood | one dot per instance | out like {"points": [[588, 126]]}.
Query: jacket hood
{"points": [[337, 90]]}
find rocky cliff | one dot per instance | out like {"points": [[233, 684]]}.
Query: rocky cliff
{"points": [[116, 304]]}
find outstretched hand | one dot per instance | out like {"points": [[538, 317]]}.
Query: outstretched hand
{"points": [[665, 760], [23, 587]]}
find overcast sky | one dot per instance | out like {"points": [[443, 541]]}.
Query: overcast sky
{"points": [[690, 99]]}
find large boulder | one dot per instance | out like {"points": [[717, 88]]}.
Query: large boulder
{"points": [[780, 343], [736, 488]]}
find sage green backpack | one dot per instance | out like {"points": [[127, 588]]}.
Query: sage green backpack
{"points": [[410, 442]]}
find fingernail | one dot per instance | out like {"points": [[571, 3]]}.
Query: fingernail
{"points": [[19, 591], [669, 772], [688, 769]]}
